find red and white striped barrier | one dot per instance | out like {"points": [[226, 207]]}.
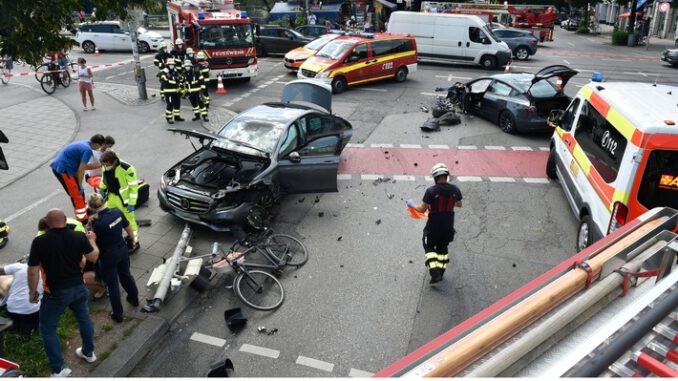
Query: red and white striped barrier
{"points": [[93, 67]]}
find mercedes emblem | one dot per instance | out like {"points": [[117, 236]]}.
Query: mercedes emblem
{"points": [[185, 204], [229, 61]]}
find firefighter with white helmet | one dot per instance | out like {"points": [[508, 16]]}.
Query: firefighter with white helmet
{"points": [[160, 61], [203, 65], [179, 53], [193, 85], [439, 201]]}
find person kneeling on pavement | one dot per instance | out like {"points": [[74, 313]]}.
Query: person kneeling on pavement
{"points": [[108, 225], [24, 315]]}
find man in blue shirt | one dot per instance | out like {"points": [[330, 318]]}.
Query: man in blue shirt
{"points": [[69, 168]]}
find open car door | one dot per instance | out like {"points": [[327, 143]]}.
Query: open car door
{"points": [[308, 92], [561, 71]]}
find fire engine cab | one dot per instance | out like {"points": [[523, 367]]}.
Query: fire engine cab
{"points": [[221, 31]]}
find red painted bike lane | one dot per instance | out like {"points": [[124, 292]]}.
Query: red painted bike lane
{"points": [[407, 161]]}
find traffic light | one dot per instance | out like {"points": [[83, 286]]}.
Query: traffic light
{"points": [[3, 161]]}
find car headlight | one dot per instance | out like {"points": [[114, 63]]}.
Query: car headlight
{"points": [[163, 183], [323, 74], [250, 61]]}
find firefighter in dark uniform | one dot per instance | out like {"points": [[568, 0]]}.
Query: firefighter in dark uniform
{"points": [[439, 200], [178, 53], [108, 225], [204, 66], [160, 61], [193, 85], [171, 80]]}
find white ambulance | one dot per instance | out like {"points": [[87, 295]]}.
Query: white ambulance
{"points": [[615, 152]]}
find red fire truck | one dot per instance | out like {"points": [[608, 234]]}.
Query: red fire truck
{"points": [[539, 20], [219, 29]]}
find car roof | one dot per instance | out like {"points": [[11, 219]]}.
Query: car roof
{"points": [[375, 37], [647, 106]]}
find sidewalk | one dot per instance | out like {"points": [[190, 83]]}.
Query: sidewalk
{"points": [[657, 45]]}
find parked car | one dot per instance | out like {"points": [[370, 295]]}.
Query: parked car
{"points": [[571, 24], [273, 39], [296, 57], [260, 155], [495, 25], [520, 101], [522, 43], [109, 35], [670, 56], [313, 31]]}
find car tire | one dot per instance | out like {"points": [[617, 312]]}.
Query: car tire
{"points": [[89, 47], [401, 74], [339, 85], [551, 165], [584, 233], [507, 122], [488, 62], [522, 53], [144, 47]]}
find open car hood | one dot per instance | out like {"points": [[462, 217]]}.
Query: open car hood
{"points": [[562, 71], [195, 134], [308, 91]]}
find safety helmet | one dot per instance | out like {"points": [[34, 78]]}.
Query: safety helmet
{"points": [[439, 169], [163, 45], [201, 56], [188, 63], [189, 50], [178, 41], [4, 234], [170, 62]]}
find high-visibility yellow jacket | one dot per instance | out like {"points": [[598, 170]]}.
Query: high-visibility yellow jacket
{"points": [[123, 181]]}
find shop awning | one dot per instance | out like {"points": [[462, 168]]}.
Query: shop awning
{"points": [[387, 4]]}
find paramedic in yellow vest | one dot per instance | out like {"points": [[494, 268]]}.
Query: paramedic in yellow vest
{"points": [[120, 183]]}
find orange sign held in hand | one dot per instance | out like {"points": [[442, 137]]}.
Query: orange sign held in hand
{"points": [[416, 214]]}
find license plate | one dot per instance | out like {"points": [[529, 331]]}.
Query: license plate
{"points": [[574, 168], [229, 75]]}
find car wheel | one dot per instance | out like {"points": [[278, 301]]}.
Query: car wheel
{"points": [[488, 62], [584, 234], [507, 122], [88, 47], [144, 47], [401, 74], [551, 165], [339, 85], [522, 53]]}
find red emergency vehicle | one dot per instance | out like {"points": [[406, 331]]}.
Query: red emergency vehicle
{"points": [[219, 29]]}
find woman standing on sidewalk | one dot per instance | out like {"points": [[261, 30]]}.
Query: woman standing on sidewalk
{"points": [[86, 80]]}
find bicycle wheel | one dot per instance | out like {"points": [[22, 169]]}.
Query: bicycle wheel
{"points": [[279, 245], [65, 78], [48, 84], [40, 71], [5, 76], [259, 290]]}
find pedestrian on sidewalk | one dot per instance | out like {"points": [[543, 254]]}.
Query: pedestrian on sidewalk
{"points": [[93, 174], [81, 16], [69, 168], [58, 254], [86, 83], [108, 225], [24, 314], [439, 200], [121, 187]]}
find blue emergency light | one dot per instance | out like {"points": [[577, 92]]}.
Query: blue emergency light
{"points": [[201, 15], [597, 76], [243, 14]]}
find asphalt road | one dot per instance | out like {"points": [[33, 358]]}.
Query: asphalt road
{"points": [[363, 300]]}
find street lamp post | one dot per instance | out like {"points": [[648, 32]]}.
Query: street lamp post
{"points": [[139, 73]]}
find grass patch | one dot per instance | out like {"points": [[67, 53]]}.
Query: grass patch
{"points": [[28, 352], [106, 328], [107, 353]]}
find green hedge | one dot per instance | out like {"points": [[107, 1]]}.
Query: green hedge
{"points": [[620, 37], [583, 30]]}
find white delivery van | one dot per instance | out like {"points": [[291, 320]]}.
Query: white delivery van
{"points": [[453, 38]]}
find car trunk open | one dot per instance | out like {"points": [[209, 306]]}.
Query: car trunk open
{"points": [[546, 105]]}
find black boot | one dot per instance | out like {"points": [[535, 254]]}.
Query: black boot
{"points": [[178, 119], [170, 121], [197, 117], [204, 117]]}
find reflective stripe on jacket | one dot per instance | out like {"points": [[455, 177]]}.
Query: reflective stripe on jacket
{"points": [[128, 183]]}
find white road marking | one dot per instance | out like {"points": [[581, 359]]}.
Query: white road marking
{"points": [[351, 145], [521, 148], [613, 59], [438, 146], [467, 147], [359, 373], [495, 148], [281, 82], [428, 178], [535, 180], [344, 177], [206, 339], [566, 62], [254, 90], [278, 64], [269, 82], [571, 44], [429, 94], [247, 94], [403, 178], [262, 86], [590, 39], [261, 351], [473, 179], [643, 74], [370, 177], [451, 76], [228, 104], [372, 89], [313, 363], [545, 149], [381, 145], [410, 146], [238, 99], [502, 179], [32, 206]]}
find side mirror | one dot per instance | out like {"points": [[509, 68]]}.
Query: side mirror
{"points": [[555, 117], [485, 41], [294, 157]]}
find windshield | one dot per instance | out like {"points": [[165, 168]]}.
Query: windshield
{"points": [[250, 130], [489, 31], [659, 186], [296, 34], [225, 36], [320, 42], [335, 49]]}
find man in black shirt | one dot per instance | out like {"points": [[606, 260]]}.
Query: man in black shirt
{"points": [[439, 200], [57, 254]]}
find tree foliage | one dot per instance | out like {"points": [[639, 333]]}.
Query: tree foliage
{"points": [[30, 29]]}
